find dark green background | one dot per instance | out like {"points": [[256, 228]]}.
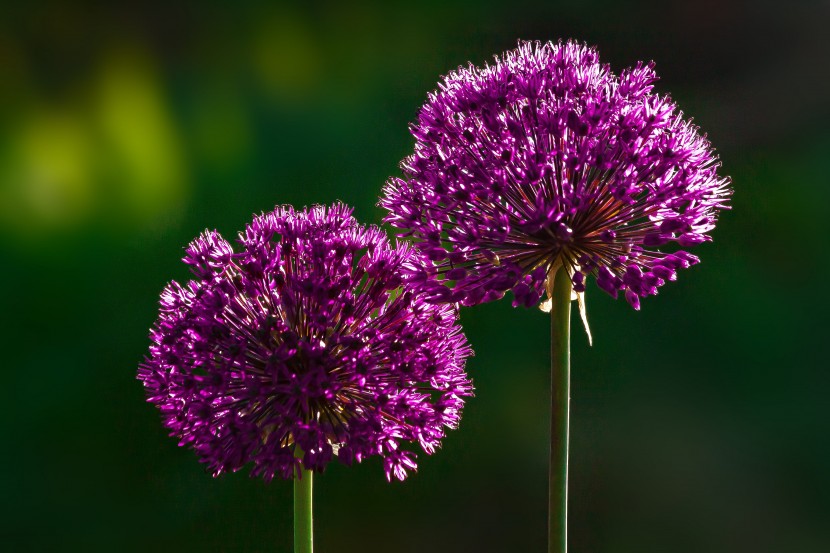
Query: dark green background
{"points": [[699, 424]]}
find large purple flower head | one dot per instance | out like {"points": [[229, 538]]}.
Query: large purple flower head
{"points": [[547, 159], [305, 345]]}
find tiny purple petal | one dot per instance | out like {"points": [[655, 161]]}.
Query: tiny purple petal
{"points": [[632, 299]]}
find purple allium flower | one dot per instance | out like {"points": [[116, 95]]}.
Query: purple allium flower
{"points": [[305, 345], [546, 159]]}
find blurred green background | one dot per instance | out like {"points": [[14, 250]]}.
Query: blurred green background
{"points": [[699, 424]]}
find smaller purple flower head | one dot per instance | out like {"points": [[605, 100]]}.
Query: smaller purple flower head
{"points": [[547, 159], [308, 344]]}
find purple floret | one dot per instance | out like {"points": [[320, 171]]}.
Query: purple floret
{"points": [[545, 159], [306, 345]]}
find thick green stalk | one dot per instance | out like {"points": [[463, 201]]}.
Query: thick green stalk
{"points": [[560, 365], [303, 534]]}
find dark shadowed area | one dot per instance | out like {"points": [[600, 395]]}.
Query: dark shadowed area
{"points": [[699, 424]]}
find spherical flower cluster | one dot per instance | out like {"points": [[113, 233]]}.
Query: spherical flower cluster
{"points": [[547, 159], [306, 345]]}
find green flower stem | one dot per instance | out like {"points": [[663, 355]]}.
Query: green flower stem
{"points": [[560, 365], [303, 533]]}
